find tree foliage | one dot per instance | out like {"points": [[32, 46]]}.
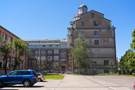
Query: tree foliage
{"points": [[20, 48], [112, 66], [79, 53], [43, 64], [55, 65], [127, 62], [132, 45], [6, 50]]}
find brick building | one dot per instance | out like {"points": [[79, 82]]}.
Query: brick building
{"points": [[99, 35], [7, 35], [51, 51]]}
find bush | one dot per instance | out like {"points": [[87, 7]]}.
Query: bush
{"points": [[109, 73]]}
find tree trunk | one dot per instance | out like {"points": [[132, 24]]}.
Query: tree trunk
{"points": [[131, 73], [5, 67], [14, 67]]}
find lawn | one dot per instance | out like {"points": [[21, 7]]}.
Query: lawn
{"points": [[54, 77]]}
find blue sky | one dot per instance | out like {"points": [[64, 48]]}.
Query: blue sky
{"points": [[49, 19]]}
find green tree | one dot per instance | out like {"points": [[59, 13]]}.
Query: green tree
{"points": [[112, 66], [55, 65], [43, 64], [79, 53], [20, 48], [132, 45], [127, 62], [6, 49]]}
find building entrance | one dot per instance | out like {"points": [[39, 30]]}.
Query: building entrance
{"points": [[62, 68]]}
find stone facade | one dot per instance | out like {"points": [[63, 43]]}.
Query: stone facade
{"points": [[100, 37]]}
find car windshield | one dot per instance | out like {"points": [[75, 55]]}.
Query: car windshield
{"points": [[12, 73]]}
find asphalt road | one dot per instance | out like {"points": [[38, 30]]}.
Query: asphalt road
{"points": [[75, 82]]}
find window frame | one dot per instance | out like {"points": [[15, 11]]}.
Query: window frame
{"points": [[95, 23], [96, 33], [96, 42]]}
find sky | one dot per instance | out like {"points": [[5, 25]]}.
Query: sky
{"points": [[49, 19]]}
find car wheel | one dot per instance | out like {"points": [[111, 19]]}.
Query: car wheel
{"points": [[1, 83], [39, 79], [26, 83]]}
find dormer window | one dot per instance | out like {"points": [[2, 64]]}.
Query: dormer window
{"points": [[82, 23], [92, 14], [95, 23]]}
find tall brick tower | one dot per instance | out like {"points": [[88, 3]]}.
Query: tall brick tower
{"points": [[100, 37]]}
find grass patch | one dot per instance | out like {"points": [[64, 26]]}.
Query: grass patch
{"points": [[54, 77], [75, 74]]}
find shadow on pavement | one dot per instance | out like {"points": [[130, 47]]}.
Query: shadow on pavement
{"points": [[44, 81], [8, 89], [19, 87]]}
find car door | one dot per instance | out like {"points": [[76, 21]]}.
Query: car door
{"points": [[20, 76], [10, 78]]}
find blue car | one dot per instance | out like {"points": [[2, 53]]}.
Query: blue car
{"points": [[25, 77]]}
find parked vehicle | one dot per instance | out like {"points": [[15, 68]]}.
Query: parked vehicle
{"points": [[41, 77], [60, 72], [25, 77]]}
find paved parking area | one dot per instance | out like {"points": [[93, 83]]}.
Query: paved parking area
{"points": [[76, 82]]}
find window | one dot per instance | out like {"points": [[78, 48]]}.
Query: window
{"points": [[43, 51], [12, 73], [56, 51], [94, 72], [50, 46], [106, 71], [37, 57], [37, 52], [23, 73], [106, 62], [96, 52], [49, 51], [56, 46], [63, 44], [95, 33], [49, 57], [95, 23], [94, 62], [31, 46], [4, 37], [49, 65], [44, 46], [37, 46], [43, 57], [63, 51], [10, 39], [56, 57], [63, 61], [83, 33], [31, 52], [96, 42], [63, 54], [92, 14], [82, 23]]}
